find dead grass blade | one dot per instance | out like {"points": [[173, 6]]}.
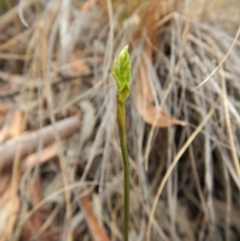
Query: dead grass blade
{"points": [[173, 164], [228, 122], [222, 61], [13, 206]]}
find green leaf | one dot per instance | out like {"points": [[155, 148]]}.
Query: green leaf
{"points": [[121, 72]]}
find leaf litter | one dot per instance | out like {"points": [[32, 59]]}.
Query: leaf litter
{"points": [[183, 144]]}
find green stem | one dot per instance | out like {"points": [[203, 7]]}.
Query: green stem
{"points": [[123, 141]]}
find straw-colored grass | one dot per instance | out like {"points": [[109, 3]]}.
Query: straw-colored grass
{"points": [[185, 180]]}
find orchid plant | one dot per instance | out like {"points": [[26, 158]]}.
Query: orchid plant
{"points": [[121, 72]]}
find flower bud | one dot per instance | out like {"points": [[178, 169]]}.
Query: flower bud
{"points": [[121, 72]]}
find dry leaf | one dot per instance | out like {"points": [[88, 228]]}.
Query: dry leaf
{"points": [[97, 208], [4, 132], [6, 200], [33, 228], [88, 5], [5, 178], [144, 99], [98, 233], [78, 65], [6, 127], [5, 195], [12, 209], [3, 219], [158, 117], [15, 129], [12, 125], [13, 204], [4, 108]]}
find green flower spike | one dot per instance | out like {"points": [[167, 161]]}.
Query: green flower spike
{"points": [[121, 72]]}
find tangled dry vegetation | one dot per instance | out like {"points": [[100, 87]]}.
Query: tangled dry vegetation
{"points": [[61, 168]]}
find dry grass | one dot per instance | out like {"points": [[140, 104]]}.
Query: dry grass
{"points": [[185, 181]]}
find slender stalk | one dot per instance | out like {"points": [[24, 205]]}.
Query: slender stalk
{"points": [[121, 72], [123, 142]]}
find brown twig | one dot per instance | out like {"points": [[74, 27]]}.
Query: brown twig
{"points": [[30, 141]]}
